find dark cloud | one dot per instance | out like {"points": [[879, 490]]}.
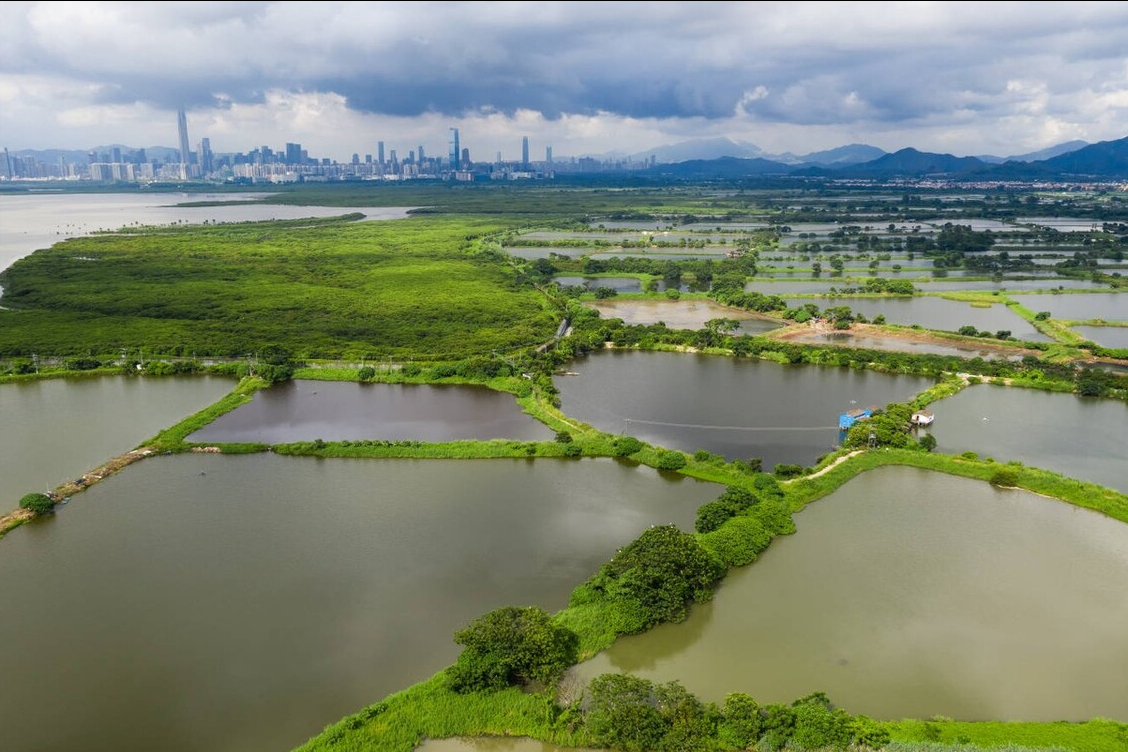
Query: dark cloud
{"points": [[810, 63]]}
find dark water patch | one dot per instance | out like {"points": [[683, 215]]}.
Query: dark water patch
{"points": [[619, 284], [337, 411], [683, 314]]}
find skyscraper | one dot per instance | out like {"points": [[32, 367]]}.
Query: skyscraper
{"points": [[380, 152], [524, 151], [204, 156], [548, 155], [455, 153], [182, 124]]}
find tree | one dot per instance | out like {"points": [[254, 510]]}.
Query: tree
{"points": [[671, 460], [927, 442], [655, 578], [722, 325], [740, 721], [819, 725], [622, 713], [366, 373], [512, 645], [38, 503]]}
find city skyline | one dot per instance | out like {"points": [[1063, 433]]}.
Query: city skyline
{"points": [[587, 78]]}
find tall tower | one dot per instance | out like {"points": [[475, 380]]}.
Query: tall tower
{"points": [[185, 152], [525, 151], [380, 152], [548, 155], [455, 153]]}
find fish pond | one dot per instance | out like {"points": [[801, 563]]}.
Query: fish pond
{"points": [[1081, 437], [736, 407], [912, 594], [1109, 306], [1109, 336], [341, 410], [224, 603], [55, 430]]}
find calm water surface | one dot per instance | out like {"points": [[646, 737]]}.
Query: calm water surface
{"points": [[1082, 437], [339, 410], [911, 594], [736, 407], [619, 284], [1110, 306], [209, 602], [55, 430], [1109, 336], [682, 314]]}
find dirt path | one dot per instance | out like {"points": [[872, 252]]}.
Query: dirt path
{"points": [[19, 516], [829, 467]]}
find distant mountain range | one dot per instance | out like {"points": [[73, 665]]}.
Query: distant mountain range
{"points": [[1107, 159], [852, 154], [724, 158]]}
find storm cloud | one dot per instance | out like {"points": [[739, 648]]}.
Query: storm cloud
{"points": [[854, 69]]}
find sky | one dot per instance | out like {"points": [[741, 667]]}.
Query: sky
{"points": [[585, 78]]}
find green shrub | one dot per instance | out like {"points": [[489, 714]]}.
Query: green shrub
{"points": [[1004, 476], [626, 446], [671, 460], [738, 542], [788, 471], [732, 502], [38, 503], [563, 437], [366, 374]]}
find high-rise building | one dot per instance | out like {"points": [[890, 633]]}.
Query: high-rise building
{"points": [[204, 156], [548, 155], [182, 125], [464, 160], [421, 155], [293, 154], [525, 150], [380, 152], [455, 152]]}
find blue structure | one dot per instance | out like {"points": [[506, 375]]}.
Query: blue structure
{"points": [[850, 417]]}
